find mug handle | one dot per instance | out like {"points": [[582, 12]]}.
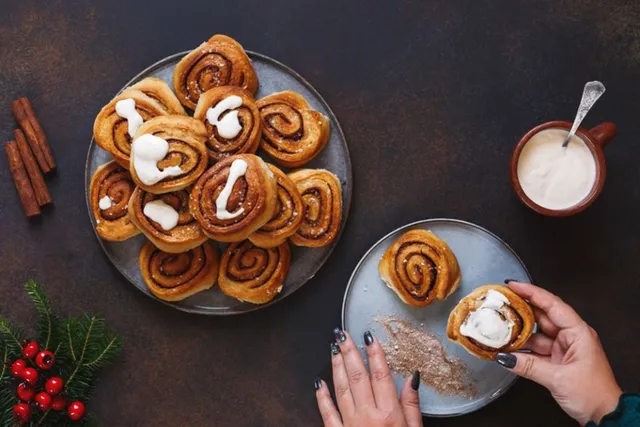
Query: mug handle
{"points": [[603, 134]]}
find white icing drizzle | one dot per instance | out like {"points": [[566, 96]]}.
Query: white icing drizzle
{"points": [[147, 150], [485, 325], [238, 169], [105, 203], [162, 213], [229, 127], [126, 108]]}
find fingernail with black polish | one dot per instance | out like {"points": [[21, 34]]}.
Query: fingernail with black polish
{"points": [[507, 360], [506, 281], [368, 338], [317, 383], [338, 335], [415, 380], [335, 348]]}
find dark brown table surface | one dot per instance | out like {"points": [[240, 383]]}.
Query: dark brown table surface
{"points": [[432, 96]]}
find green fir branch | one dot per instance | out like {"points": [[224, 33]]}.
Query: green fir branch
{"points": [[12, 337], [5, 360], [7, 401], [46, 318]]}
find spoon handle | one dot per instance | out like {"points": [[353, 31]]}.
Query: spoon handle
{"points": [[591, 93]]}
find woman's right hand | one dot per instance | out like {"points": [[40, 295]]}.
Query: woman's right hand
{"points": [[567, 358]]}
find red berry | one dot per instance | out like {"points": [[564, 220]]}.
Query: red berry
{"points": [[25, 392], [76, 410], [30, 375], [17, 367], [58, 403], [53, 385], [30, 350], [22, 413], [43, 401], [45, 360]]}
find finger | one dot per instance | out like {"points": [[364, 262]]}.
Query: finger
{"points": [[328, 411], [539, 344], [341, 383], [560, 313], [410, 401], [531, 366], [546, 325], [359, 382], [384, 389]]}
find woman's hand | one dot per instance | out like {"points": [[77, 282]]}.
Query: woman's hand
{"points": [[567, 358], [365, 400]]}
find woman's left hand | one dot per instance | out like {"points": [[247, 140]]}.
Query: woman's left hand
{"points": [[363, 399]]}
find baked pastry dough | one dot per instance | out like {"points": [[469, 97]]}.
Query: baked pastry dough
{"points": [[186, 235], [247, 138], [322, 207], [174, 277], [420, 268], [287, 217], [186, 137], [159, 90], [292, 132], [111, 131], [109, 193], [220, 61], [253, 274], [495, 315], [231, 209]]}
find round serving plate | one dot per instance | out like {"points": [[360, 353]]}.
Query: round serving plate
{"points": [[305, 262], [484, 258]]}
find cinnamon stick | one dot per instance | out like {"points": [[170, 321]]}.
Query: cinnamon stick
{"points": [[30, 164], [21, 179], [42, 137], [32, 137]]}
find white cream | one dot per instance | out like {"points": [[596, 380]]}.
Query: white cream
{"points": [[554, 177], [147, 150], [126, 108], [105, 203], [485, 325], [229, 127], [162, 213], [238, 169]]}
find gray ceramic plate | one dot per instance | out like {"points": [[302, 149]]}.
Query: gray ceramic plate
{"points": [[483, 258], [305, 262]]}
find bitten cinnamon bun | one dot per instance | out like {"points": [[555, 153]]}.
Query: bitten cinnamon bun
{"points": [[232, 120], [234, 198], [220, 61], [174, 277], [110, 190], [254, 274], [490, 320], [420, 268]]}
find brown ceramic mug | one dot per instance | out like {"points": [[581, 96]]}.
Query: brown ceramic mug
{"points": [[595, 139]]}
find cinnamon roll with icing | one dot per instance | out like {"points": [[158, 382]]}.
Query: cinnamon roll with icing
{"points": [[234, 198], [252, 274], [321, 194], [287, 217], [119, 120], [165, 220], [232, 120], [490, 320], [220, 61], [109, 193], [160, 91], [168, 154], [292, 132], [420, 268], [174, 277]]}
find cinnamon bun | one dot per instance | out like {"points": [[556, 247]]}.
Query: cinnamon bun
{"points": [[157, 89]]}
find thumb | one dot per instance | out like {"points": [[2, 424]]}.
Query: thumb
{"points": [[531, 366], [410, 400]]}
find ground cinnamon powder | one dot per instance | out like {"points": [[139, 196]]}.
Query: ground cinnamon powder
{"points": [[411, 348]]}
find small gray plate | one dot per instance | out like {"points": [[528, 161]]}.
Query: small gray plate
{"points": [[484, 258], [305, 262]]}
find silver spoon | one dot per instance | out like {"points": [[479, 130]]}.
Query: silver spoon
{"points": [[592, 91]]}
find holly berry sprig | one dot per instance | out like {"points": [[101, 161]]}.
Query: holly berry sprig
{"points": [[48, 380], [49, 396]]}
